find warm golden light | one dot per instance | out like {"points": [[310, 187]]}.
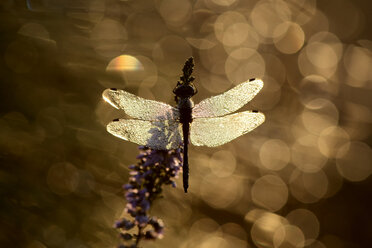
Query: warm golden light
{"points": [[354, 161], [124, 63], [270, 192], [274, 154], [289, 37], [300, 180], [306, 221]]}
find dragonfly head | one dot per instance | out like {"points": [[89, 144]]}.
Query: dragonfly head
{"points": [[185, 88]]}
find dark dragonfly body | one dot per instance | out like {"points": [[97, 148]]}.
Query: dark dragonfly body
{"points": [[184, 91], [209, 123], [185, 106]]}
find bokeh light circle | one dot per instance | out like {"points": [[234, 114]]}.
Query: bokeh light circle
{"points": [[354, 161], [34, 30], [269, 96], [306, 221], [220, 192], [222, 163], [131, 71], [331, 139], [358, 63], [267, 15], [231, 28], [305, 154], [124, 63], [274, 154], [315, 86], [169, 54], [319, 114], [175, 12], [202, 227], [289, 37], [109, 29], [244, 63], [321, 55], [288, 236], [270, 192], [308, 187], [264, 228]]}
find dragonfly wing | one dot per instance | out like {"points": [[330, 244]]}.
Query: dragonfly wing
{"points": [[139, 107], [220, 130], [228, 102], [159, 135]]}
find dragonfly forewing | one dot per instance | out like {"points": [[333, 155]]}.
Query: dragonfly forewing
{"points": [[139, 107], [220, 130], [228, 102], [159, 135]]}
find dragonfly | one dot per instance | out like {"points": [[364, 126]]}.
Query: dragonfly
{"points": [[210, 123]]}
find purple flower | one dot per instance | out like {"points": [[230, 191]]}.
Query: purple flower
{"points": [[147, 177], [127, 186], [125, 224], [126, 236], [142, 220]]}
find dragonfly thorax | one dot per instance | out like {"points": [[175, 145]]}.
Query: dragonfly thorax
{"points": [[185, 106]]}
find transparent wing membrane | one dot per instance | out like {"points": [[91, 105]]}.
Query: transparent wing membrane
{"points": [[139, 107], [158, 124], [228, 102], [220, 130], [159, 135]]}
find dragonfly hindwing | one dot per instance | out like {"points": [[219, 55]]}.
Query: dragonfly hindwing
{"points": [[220, 130], [159, 135]]}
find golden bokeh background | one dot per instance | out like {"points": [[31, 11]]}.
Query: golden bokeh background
{"points": [[302, 179]]}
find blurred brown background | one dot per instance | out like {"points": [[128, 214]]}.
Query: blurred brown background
{"points": [[302, 179]]}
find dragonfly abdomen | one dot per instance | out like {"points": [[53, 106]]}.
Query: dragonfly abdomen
{"points": [[185, 166], [185, 106]]}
